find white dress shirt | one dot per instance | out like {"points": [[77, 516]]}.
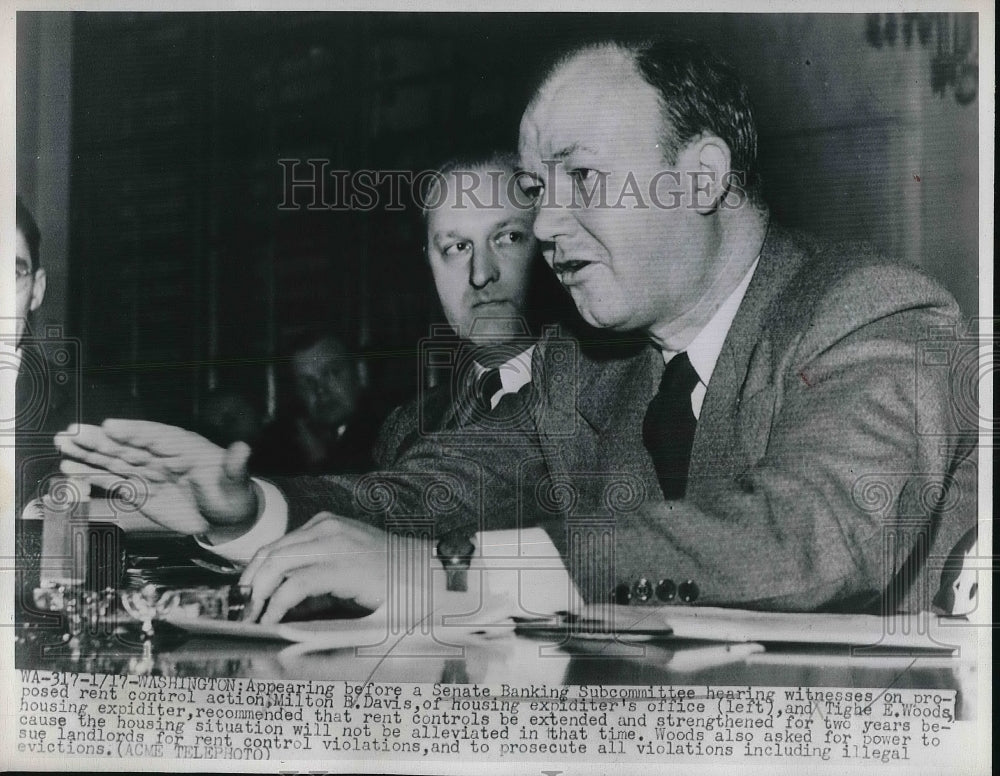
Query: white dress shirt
{"points": [[705, 348], [515, 373], [13, 358]]}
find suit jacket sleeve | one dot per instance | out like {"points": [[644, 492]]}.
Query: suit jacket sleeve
{"points": [[455, 480], [844, 461]]}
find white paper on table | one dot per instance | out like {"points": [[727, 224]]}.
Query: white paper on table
{"points": [[513, 573], [901, 631], [521, 574]]}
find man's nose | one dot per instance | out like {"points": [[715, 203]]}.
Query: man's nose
{"points": [[485, 267], [554, 215]]}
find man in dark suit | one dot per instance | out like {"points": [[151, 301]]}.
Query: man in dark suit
{"points": [[325, 423], [776, 445], [795, 363], [48, 389], [497, 297], [445, 453], [34, 394], [51, 390]]}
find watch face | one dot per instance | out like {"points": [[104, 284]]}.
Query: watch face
{"points": [[456, 549], [455, 553]]}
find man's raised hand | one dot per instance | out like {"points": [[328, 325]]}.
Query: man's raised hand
{"points": [[176, 478]]}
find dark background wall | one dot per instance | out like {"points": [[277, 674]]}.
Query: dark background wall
{"points": [[148, 144]]}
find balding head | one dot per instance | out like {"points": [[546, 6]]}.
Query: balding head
{"points": [[641, 206]]}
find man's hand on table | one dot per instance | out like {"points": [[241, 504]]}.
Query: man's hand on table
{"points": [[181, 480], [328, 555]]}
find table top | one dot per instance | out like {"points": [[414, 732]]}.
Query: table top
{"points": [[497, 656], [502, 657]]}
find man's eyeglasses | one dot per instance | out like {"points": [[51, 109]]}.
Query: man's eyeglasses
{"points": [[24, 270]]}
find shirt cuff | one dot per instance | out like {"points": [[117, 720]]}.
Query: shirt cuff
{"points": [[271, 525]]}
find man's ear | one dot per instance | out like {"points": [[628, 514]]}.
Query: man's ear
{"points": [[37, 290], [709, 160]]}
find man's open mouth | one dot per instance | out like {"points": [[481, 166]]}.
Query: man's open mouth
{"points": [[566, 269]]}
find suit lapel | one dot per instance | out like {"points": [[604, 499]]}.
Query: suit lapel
{"points": [[40, 403], [586, 417], [612, 394], [611, 385], [743, 366], [593, 390]]}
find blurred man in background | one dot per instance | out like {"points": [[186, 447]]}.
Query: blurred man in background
{"points": [[325, 424]]}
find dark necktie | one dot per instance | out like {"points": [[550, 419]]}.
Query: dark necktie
{"points": [[487, 386], [668, 428]]}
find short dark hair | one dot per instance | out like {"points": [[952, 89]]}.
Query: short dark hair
{"points": [[26, 225], [699, 93], [507, 161]]}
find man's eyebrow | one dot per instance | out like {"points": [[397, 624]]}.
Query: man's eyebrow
{"points": [[569, 150], [448, 234], [509, 222]]}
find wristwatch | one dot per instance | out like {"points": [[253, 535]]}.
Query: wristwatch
{"points": [[455, 552]]}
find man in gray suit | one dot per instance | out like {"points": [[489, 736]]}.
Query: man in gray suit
{"points": [[800, 358], [775, 445]]}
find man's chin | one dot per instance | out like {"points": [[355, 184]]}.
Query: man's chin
{"points": [[497, 338], [487, 330], [588, 311]]}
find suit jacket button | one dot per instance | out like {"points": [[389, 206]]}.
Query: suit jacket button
{"points": [[643, 590], [621, 594], [688, 592], [666, 590]]}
